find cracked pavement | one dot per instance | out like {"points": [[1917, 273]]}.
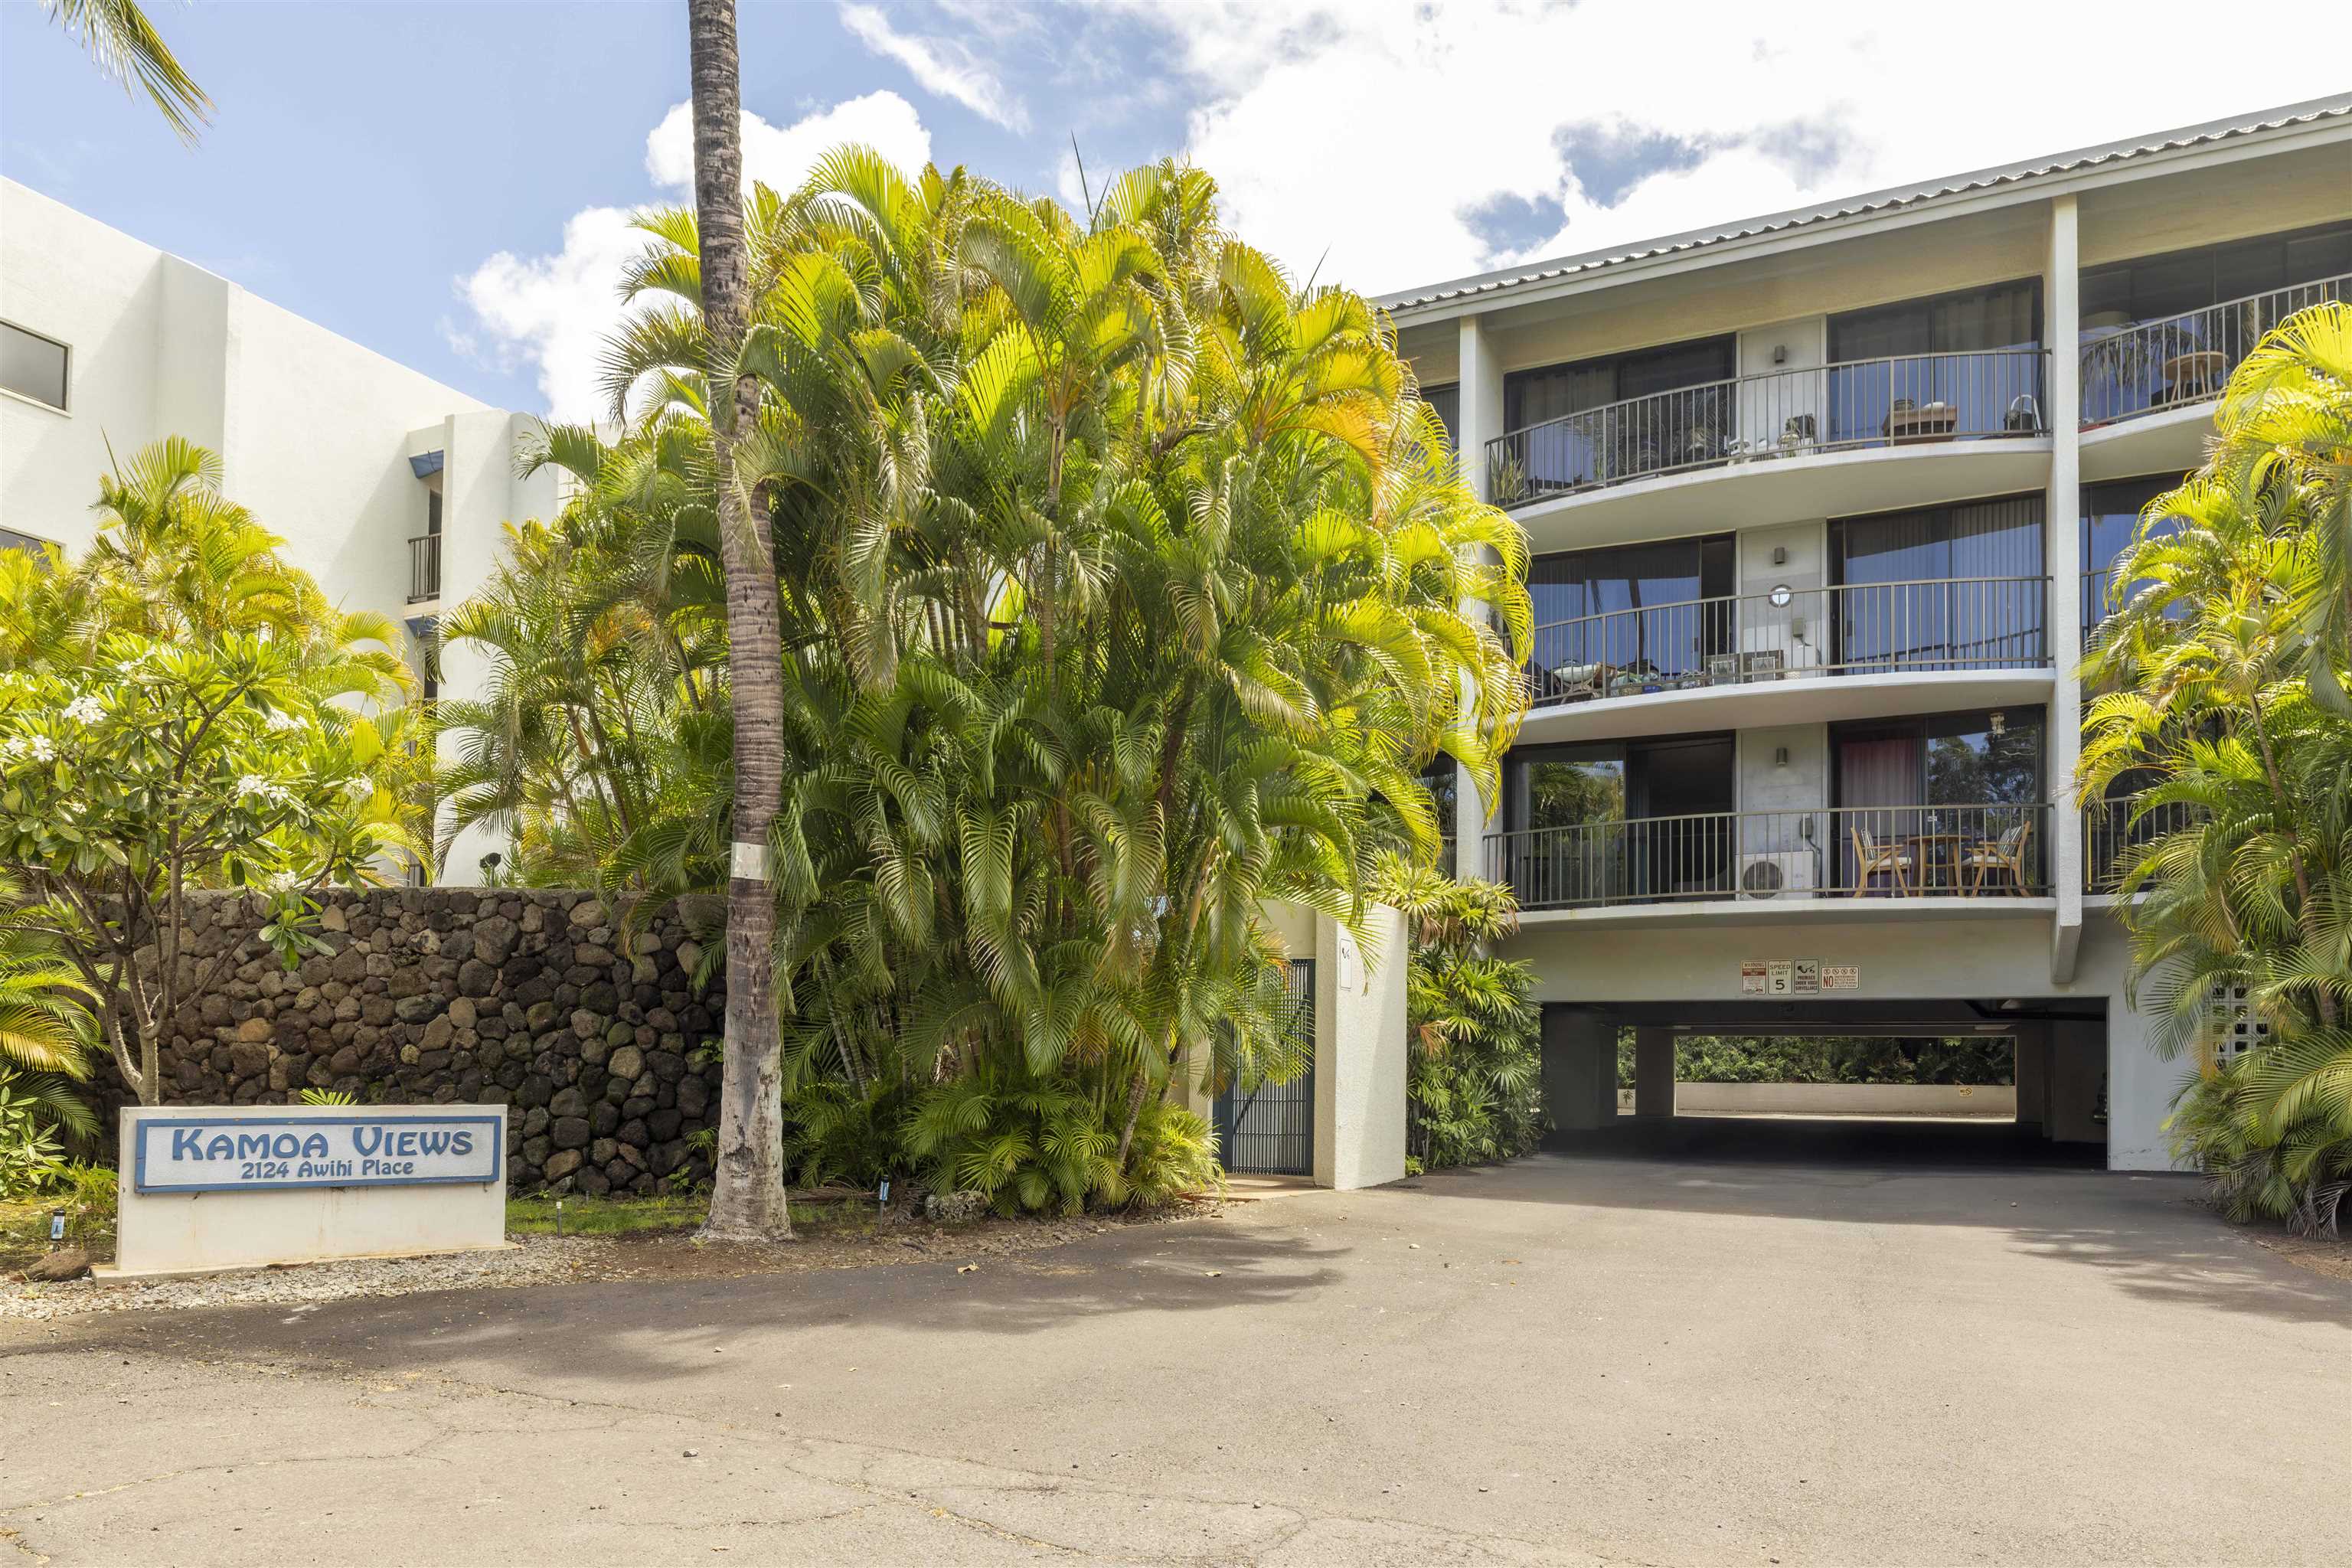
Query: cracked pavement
{"points": [[1565, 1360]]}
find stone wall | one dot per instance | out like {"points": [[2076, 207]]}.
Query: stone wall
{"points": [[537, 1000]]}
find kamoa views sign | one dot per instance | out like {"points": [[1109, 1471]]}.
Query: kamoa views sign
{"points": [[238, 1151]]}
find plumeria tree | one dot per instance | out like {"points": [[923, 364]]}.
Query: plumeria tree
{"points": [[131, 784], [184, 712]]}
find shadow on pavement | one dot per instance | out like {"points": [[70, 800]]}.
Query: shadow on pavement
{"points": [[2145, 1229]]}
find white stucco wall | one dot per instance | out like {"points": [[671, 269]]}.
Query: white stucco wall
{"points": [[1360, 1052], [313, 431]]}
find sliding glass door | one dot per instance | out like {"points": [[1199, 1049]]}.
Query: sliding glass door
{"points": [[1612, 822], [1630, 614], [1918, 796], [1609, 442], [1952, 587], [1905, 371]]}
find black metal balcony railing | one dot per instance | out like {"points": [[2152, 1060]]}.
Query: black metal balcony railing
{"points": [[2112, 843], [1912, 851], [1912, 399], [2185, 359], [424, 568], [1970, 623]]}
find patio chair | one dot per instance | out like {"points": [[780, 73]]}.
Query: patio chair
{"points": [[1871, 857], [1991, 858], [1571, 682], [2024, 415]]}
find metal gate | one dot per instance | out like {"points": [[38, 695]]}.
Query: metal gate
{"points": [[1269, 1127]]}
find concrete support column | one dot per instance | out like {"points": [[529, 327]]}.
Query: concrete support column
{"points": [[1653, 1072], [1480, 421], [2062, 553], [1579, 1067], [2034, 1076]]}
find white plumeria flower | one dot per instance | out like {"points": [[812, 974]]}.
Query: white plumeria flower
{"points": [[40, 748], [85, 710], [253, 787]]}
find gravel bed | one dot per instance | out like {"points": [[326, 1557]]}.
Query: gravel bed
{"points": [[539, 1260]]}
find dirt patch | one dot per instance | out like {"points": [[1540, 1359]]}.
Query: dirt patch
{"points": [[827, 1242], [2316, 1253]]}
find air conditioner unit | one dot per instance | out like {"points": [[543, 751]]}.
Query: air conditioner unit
{"points": [[1777, 643], [1787, 874]]}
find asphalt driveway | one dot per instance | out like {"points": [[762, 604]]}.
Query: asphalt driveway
{"points": [[1616, 1359]]}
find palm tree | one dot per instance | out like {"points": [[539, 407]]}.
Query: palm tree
{"points": [[125, 45], [747, 1200], [2226, 667], [46, 1035]]}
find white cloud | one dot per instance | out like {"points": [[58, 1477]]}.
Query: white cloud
{"points": [[943, 66], [782, 156], [1381, 128], [556, 311]]}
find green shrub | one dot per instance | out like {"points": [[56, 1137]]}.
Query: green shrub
{"points": [[1035, 1145], [1475, 1088]]}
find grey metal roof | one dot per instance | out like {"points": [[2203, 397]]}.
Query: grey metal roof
{"points": [[1875, 201]]}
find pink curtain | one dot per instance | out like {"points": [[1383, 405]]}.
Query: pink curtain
{"points": [[1877, 776]]}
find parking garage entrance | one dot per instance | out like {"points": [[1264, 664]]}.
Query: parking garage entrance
{"points": [[1994, 1080]]}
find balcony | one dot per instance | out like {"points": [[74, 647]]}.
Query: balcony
{"points": [[424, 568], [2184, 361], [1968, 623], [1988, 853], [2113, 841], [1912, 401]]}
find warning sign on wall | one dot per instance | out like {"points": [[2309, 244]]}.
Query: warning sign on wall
{"points": [[1751, 977], [1841, 978]]}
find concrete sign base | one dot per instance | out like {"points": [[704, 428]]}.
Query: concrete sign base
{"points": [[208, 1188]]}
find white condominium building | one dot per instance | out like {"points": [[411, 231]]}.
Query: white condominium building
{"points": [[388, 487], [1822, 506]]}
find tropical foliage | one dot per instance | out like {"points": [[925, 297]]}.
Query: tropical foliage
{"points": [[1475, 1085], [181, 711], [1123, 589], [1721, 1059], [124, 45], [47, 1032], [2227, 712]]}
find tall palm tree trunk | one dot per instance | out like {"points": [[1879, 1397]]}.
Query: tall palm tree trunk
{"points": [[747, 1200]]}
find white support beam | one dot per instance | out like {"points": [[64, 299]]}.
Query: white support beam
{"points": [[2063, 552], [1480, 421]]}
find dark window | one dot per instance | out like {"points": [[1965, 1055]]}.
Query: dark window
{"points": [[32, 365], [2004, 316], [1447, 403], [1532, 396], [1634, 608], [433, 511], [12, 540], [1633, 820], [1948, 587], [1936, 786], [1979, 758], [2111, 514], [2152, 287]]}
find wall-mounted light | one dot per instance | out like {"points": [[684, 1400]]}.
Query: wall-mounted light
{"points": [[1782, 596], [1780, 756], [1780, 556], [1999, 720], [1780, 353]]}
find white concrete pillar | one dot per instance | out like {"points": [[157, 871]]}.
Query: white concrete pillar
{"points": [[2140, 1087], [1653, 1072], [1360, 1051], [2062, 553], [1480, 421]]}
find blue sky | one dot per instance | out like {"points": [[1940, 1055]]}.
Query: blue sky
{"points": [[448, 182]]}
